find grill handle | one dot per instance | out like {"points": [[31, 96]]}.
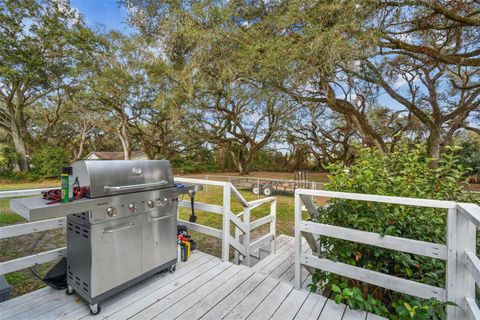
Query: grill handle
{"points": [[159, 218], [120, 228], [136, 186]]}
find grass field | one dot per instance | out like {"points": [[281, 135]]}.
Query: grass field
{"points": [[23, 281], [9, 185]]}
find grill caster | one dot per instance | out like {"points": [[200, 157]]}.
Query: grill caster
{"points": [[69, 291], [95, 309], [172, 268]]}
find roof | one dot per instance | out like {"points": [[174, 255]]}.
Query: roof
{"points": [[114, 155]]}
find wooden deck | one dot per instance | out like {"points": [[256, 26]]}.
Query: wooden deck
{"points": [[204, 287]]}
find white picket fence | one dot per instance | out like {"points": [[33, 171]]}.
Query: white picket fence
{"points": [[241, 243], [463, 266]]}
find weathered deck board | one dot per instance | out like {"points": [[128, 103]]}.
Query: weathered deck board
{"points": [[245, 308], [312, 307], [291, 305], [159, 306], [136, 306], [187, 302], [210, 300], [331, 310], [222, 308], [353, 314], [271, 303], [204, 287]]}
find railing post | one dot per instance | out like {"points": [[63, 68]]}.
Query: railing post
{"points": [[226, 223], [246, 236], [461, 234], [259, 190], [298, 241], [273, 224], [236, 255]]}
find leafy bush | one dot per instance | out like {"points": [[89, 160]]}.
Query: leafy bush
{"points": [[184, 166], [8, 156], [48, 162], [269, 160], [406, 172]]}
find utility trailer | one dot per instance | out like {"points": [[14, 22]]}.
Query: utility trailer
{"points": [[269, 187]]}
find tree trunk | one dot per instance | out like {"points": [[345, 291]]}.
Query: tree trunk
{"points": [[241, 162], [122, 135], [20, 147], [358, 119], [242, 170], [434, 145], [14, 123], [81, 145]]}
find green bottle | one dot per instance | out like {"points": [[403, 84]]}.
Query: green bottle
{"points": [[67, 191]]}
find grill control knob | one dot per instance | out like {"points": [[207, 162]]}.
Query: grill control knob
{"points": [[151, 204], [111, 212], [132, 207]]}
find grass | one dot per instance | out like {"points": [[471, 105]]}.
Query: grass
{"points": [[23, 281], [18, 185]]}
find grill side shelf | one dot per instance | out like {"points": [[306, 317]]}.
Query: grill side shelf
{"points": [[36, 209]]}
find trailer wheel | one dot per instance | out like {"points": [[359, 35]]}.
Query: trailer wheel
{"points": [[268, 191], [255, 189]]}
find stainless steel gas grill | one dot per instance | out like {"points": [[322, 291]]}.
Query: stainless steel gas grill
{"points": [[123, 232]]}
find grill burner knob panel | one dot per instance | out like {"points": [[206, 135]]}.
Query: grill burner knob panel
{"points": [[151, 204], [111, 212], [132, 207]]}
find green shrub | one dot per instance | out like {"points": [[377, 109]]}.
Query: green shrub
{"points": [[48, 162], [8, 157], [184, 166], [470, 155], [406, 172]]}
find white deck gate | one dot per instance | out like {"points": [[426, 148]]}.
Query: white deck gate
{"points": [[463, 266], [242, 244]]}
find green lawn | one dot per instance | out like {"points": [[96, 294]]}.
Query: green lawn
{"points": [[23, 281], [16, 185]]}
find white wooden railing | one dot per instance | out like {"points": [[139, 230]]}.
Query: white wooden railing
{"points": [[463, 266], [241, 243]]}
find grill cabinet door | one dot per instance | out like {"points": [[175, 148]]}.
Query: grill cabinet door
{"points": [[159, 238], [116, 253]]}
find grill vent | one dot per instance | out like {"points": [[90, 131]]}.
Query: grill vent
{"points": [[82, 215], [82, 231], [81, 285]]}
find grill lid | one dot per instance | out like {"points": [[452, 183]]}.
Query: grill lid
{"points": [[111, 177]]}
